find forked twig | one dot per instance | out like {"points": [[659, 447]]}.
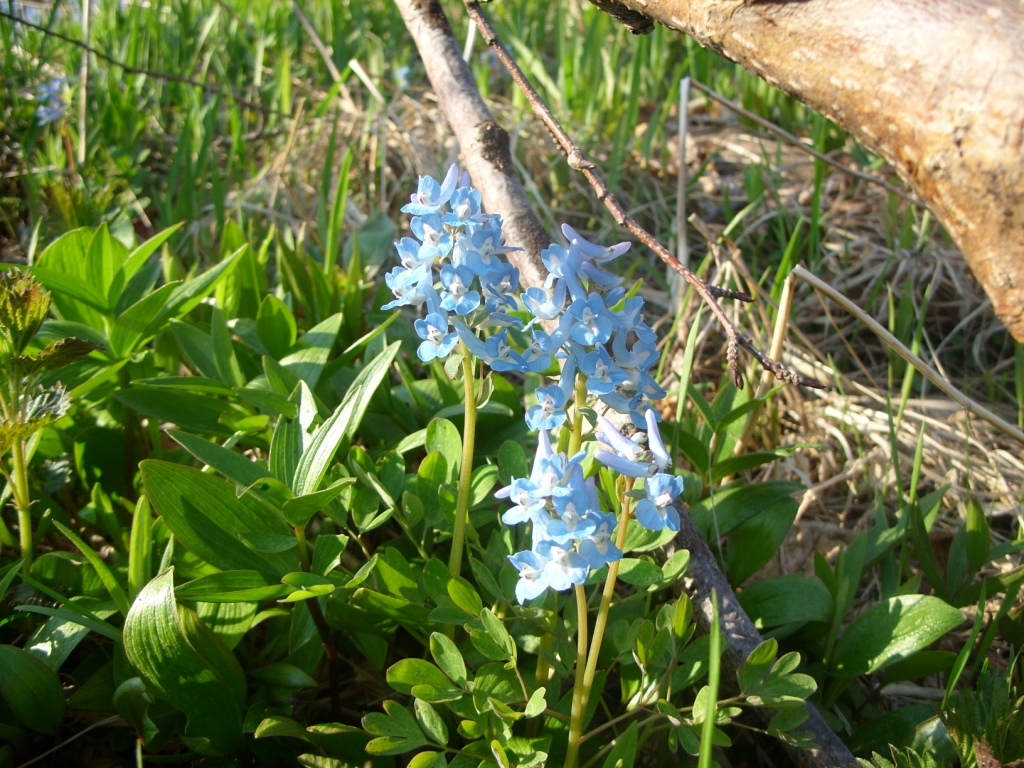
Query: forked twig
{"points": [[577, 161]]}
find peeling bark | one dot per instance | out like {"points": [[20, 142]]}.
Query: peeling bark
{"points": [[936, 87]]}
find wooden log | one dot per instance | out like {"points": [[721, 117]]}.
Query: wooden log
{"points": [[936, 87]]}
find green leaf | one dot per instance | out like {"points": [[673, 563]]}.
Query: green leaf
{"points": [[283, 675], [205, 515], [167, 651], [232, 465], [639, 573], [428, 759], [431, 723], [396, 729], [140, 322], [465, 596], [192, 412], [342, 425], [443, 437], [780, 600], [300, 510], [408, 673], [102, 569], [497, 632], [624, 753], [276, 326], [448, 657], [735, 504], [31, 690], [307, 362], [121, 293], [754, 542], [890, 631], [230, 587]]}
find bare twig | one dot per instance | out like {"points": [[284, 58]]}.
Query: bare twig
{"points": [[577, 161]]}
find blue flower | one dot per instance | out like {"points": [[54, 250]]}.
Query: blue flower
{"points": [[603, 374], [593, 322], [597, 548], [430, 195], [545, 304], [457, 297], [528, 501], [657, 510], [563, 568], [51, 105], [409, 286], [532, 579], [549, 412], [437, 242], [465, 205], [654, 441], [437, 341]]}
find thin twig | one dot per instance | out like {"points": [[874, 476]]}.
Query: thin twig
{"points": [[167, 76], [577, 161], [768, 125]]}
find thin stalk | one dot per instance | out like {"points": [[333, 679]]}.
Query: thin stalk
{"points": [[600, 624], [579, 688], [466, 471], [22, 502], [707, 733], [580, 398]]}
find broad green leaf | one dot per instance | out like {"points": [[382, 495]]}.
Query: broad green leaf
{"points": [[132, 264], [166, 647], [431, 723], [755, 541], [890, 631], [291, 435], [61, 268], [780, 600], [276, 326], [139, 322], [396, 729], [31, 690], [224, 351], [443, 437], [197, 346], [102, 569], [284, 675], [308, 361], [189, 293], [189, 411], [733, 505], [205, 515], [342, 425], [234, 466], [497, 632]]}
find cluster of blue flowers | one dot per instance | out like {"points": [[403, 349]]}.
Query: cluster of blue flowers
{"points": [[454, 267], [50, 104]]}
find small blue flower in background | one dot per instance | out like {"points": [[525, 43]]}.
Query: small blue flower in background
{"points": [[50, 105]]}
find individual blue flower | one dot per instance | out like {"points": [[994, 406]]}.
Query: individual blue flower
{"points": [[549, 412], [465, 207], [497, 286], [408, 285], [603, 373], [457, 296], [437, 341], [627, 457], [430, 195], [409, 251], [593, 322], [591, 251], [480, 248], [532, 578], [527, 499], [576, 517], [640, 357], [437, 242], [545, 303], [632, 317], [657, 510], [597, 547], [563, 568], [496, 351]]}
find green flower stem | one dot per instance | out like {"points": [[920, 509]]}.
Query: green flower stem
{"points": [[22, 502], [707, 731], [580, 398], [466, 470], [582, 687]]}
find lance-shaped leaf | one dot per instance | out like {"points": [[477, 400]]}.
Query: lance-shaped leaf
{"points": [[184, 663], [205, 515], [342, 425]]}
